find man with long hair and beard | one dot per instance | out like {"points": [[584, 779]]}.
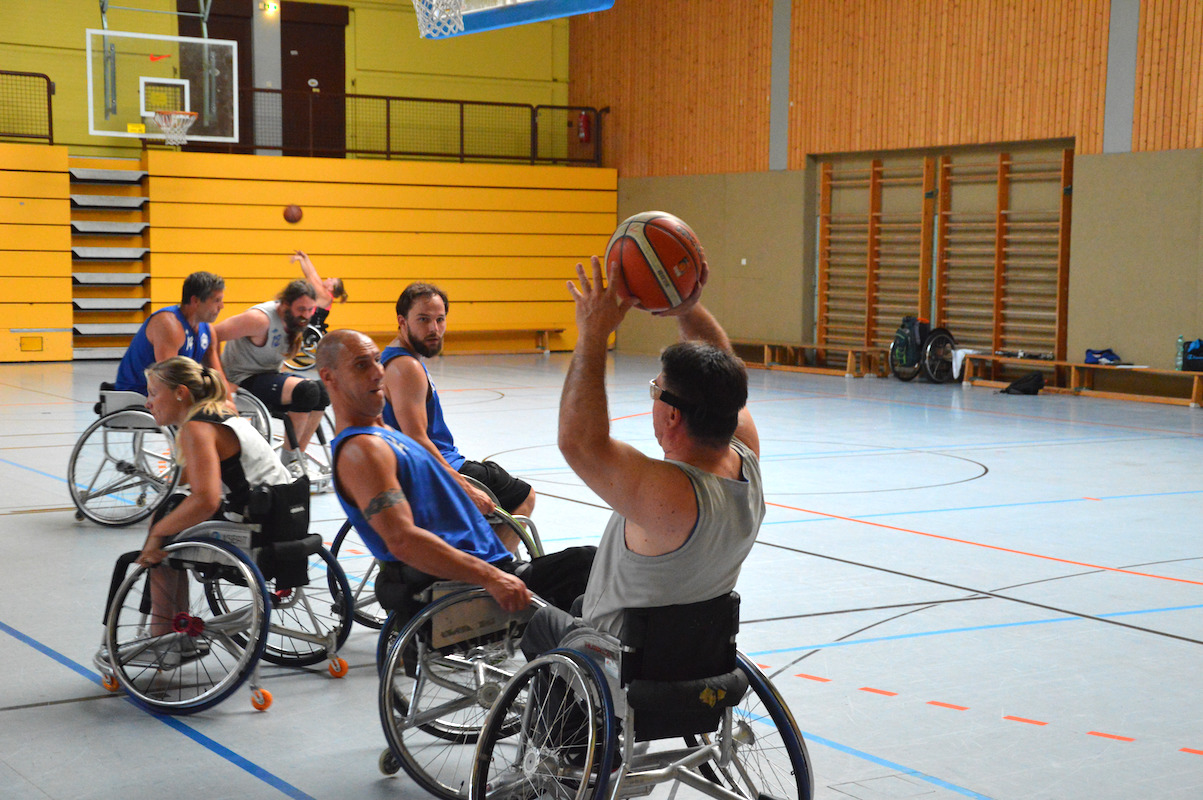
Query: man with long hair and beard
{"points": [[256, 344], [412, 404]]}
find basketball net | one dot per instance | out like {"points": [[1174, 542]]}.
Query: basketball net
{"points": [[175, 125], [438, 18]]}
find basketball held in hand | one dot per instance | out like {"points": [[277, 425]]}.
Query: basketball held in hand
{"points": [[659, 257], [292, 214]]}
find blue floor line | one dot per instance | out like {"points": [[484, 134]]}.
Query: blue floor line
{"points": [[215, 747], [946, 631], [814, 738]]}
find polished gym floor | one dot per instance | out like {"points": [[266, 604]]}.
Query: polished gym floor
{"points": [[959, 593]]}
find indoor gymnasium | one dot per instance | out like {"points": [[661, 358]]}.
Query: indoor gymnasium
{"points": [[956, 245]]}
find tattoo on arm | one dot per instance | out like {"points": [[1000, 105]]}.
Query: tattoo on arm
{"points": [[382, 501]]}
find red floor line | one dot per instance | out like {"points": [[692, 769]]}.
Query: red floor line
{"points": [[878, 691], [1028, 721], [813, 677], [1110, 736], [986, 546], [1191, 750], [947, 705]]}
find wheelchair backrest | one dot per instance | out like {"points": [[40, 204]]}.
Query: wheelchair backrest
{"points": [[281, 511], [680, 643], [112, 400]]}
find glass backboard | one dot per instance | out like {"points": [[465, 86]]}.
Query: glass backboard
{"points": [[133, 75]]}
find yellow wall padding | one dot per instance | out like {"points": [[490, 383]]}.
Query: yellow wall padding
{"points": [[501, 240], [35, 253]]}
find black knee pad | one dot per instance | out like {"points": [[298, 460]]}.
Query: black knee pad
{"points": [[309, 396]]}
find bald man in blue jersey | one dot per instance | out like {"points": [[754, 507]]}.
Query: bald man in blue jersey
{"points": [[412, 515]]}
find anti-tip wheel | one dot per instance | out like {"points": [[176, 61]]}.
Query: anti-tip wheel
{"points": [[261, 699], [388, 763], [338, 668], [110, 682]]}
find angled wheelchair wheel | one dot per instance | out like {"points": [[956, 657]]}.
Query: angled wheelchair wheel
{"points": [[769, 757], [522, 528], [310, 623], [936, 356], [168, 647], [122, 468], [442, 674], [550, 734], [305, 357], [253, 409], [898, 363], [361, 569]]}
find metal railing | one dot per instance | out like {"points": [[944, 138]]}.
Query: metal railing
{"points": [[25, 106], [340, 125]]}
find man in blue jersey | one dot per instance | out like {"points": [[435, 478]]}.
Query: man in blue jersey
{"points": [[183, 330], [412, 404], [408, 509]]}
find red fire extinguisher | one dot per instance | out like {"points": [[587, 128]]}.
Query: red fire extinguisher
{"points": [[583, 133]]}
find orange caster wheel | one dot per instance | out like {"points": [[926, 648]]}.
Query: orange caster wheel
{"points": [[261, 699], [338, 668], [110, 682]]}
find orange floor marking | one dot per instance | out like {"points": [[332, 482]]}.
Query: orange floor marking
{"points": [[813, 677], [1110, 736], [947, 705], [878, 691], [1191, 750], [1028, 721], [987, 546], [1095, 499]]}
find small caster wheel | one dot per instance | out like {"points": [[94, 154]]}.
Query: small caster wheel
{"points": [[388, 762], [79, 516], [261, 699], [110, 682], [338, 668]]}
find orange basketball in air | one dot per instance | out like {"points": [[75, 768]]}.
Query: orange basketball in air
{"points": [[659, 257]]}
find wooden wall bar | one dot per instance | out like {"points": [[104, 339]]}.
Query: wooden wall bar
{"points": [[501, 240], [687, 83], [1169, 89]]}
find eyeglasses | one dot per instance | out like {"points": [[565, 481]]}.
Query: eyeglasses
{"points": [[668, 397]]}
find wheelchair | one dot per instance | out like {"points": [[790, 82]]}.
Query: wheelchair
{"points": [[318, 453], [239, 593], [123, 465], [306, 356], [917, 347], [362, 568], [572, 723]]}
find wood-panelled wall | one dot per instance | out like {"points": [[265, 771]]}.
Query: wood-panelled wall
{"points": [[501, 240], [687, 83], [1169, 87], [35, 253]]}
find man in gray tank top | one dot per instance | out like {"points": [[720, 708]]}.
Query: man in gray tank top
{"points": [[256, 344], [682, 525]]}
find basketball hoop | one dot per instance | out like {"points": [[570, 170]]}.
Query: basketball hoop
{"points": [[438, 18], [175, 125]]}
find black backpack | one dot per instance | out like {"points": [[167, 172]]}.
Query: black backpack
{"points": [[908, 339], [1030, 383]]}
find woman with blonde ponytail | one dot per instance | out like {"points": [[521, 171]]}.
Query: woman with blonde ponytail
{"points": [[223, 458]]}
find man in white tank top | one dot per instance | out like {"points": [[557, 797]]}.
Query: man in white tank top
{"points": [[682, 525], [256, 344]]}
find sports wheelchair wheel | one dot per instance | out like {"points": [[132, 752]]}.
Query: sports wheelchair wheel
{"points": [[309, 624], [550, 734], [935, 357], [305, 357], [442, 674], [194, 657], [255, 412], [769, 757], [361, 569], [122, 468]]}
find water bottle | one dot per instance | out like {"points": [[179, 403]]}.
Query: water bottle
{"points": [[1178, 355]]}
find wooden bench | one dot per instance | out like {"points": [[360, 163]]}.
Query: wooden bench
{"points": [[1079, 379], [812, 358], [542, 337]]}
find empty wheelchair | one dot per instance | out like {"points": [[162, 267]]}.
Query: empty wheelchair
{"points": [[122, 466], [363, 568], [571, 724], [183, 635]]}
